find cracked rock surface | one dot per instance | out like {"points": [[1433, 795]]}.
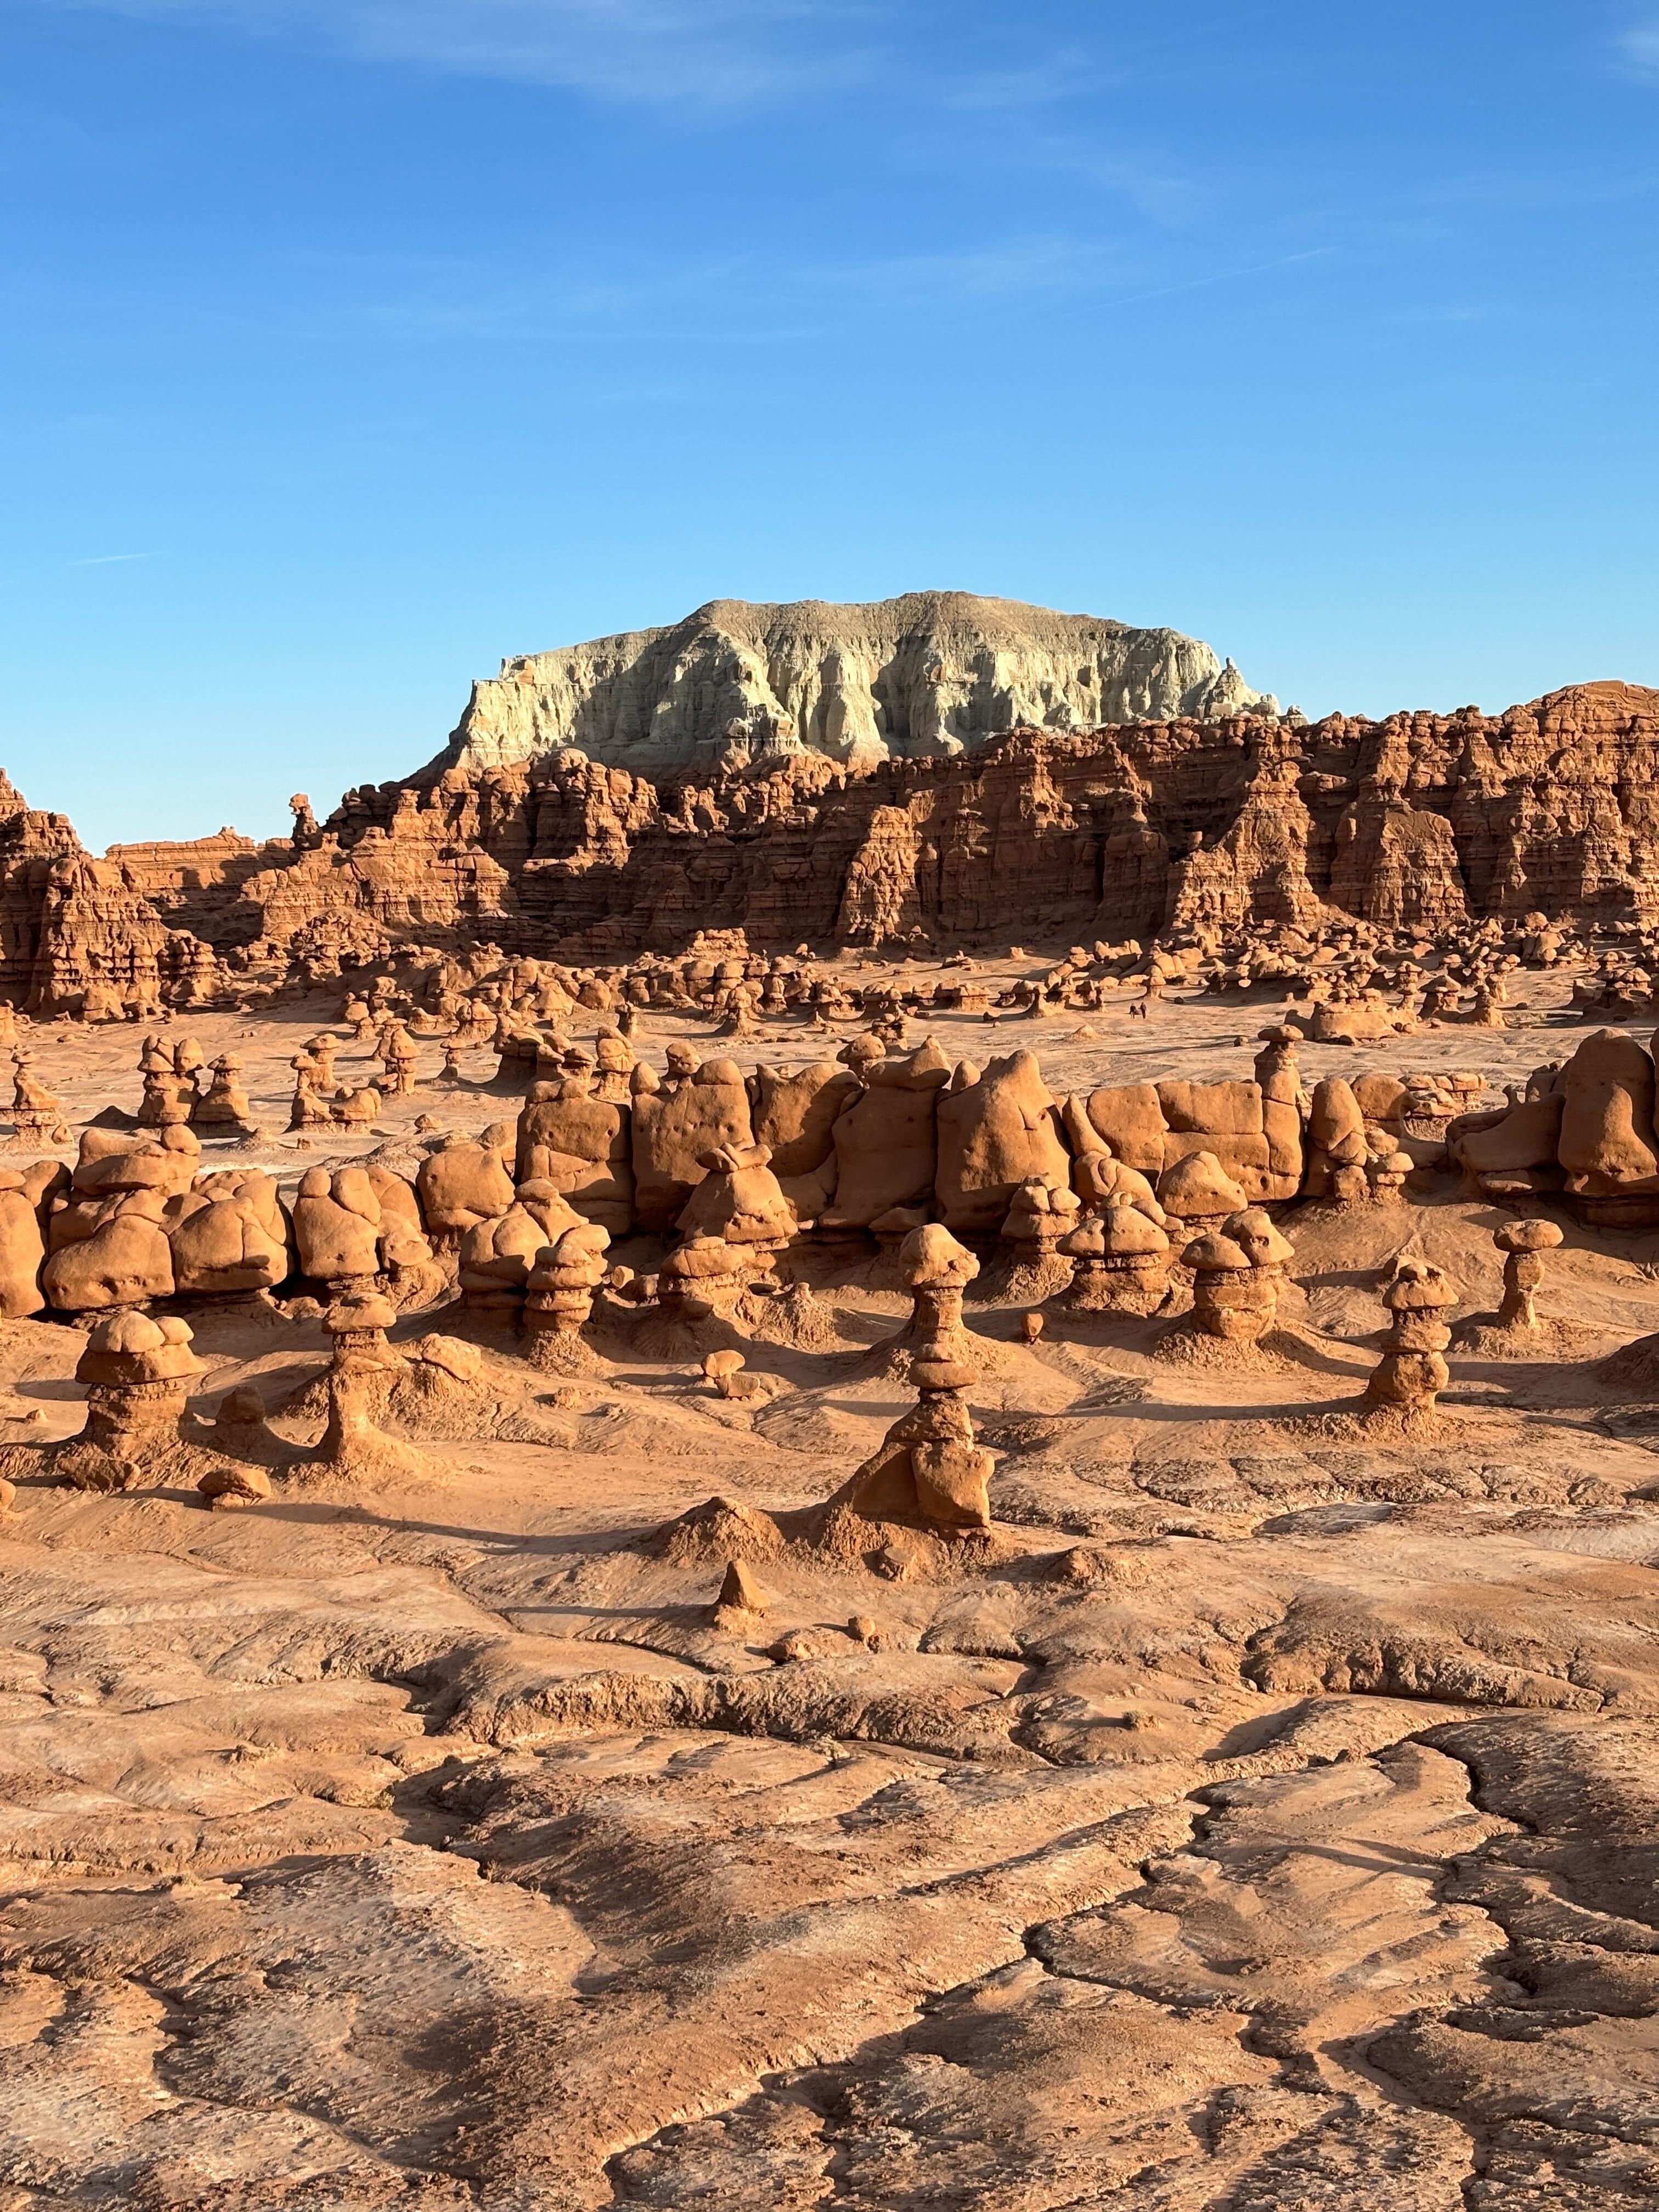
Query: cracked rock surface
{"points": [[1260, 1817]]}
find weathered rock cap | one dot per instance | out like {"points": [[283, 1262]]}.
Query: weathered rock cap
{"points": [[1216, 1254], [351, 1316], [1088, 1241], [1198, 1187], [1256, 1232], [928, 1068], [728, 1159], [1103, 1181], [1419, 1287], [931, 1255], [700, 1260], [131, 1348], [575, 1261], [1532, 1236], [1124, 1231], [464, 1361], [1035, 1196]]}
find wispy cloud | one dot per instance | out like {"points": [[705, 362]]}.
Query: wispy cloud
{"points": [[720, 53], [112, 560], [1067, 73], [1223, 277], [983, 272], [694, 302], [1638, 47], [1148, 183]]}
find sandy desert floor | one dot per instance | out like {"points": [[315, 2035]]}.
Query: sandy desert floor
{"points": [[1261, 1819]]}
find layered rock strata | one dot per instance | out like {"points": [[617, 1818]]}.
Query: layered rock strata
{"points": [[931, 672], [1422, 824]]}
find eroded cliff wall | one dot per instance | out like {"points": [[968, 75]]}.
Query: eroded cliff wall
{"points": [[1415, 824]]}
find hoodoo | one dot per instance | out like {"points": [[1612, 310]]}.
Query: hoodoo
{"points": [[1183, 1465]]}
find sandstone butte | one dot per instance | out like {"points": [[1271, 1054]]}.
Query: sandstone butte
{"points": [[932, 673], [1418, 824]]}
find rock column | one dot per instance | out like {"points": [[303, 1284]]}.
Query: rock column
{"points": [[1412, 1372], [1523, 1244], [1119, 1262], [559, 1299], [135, 1369]]}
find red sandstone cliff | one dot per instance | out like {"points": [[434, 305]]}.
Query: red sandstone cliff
{"points": [[31, 845], [1413, 822]]}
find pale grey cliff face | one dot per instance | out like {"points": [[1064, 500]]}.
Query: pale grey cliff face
{"points": [[932, 673]]}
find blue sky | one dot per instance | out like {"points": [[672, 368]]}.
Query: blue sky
{"points": [[349, 345]]}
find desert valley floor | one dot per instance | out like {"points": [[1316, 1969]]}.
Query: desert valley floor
{"points": [[1257, 1817]]}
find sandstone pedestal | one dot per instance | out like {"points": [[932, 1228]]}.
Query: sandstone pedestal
{"points": [[699, 1281], [1032, 1264], [1523, 1244], [1238, 1271], [936, 1270], [559, 1301], [37, 1114], [1119, 1264], [135, 1369], [929, 1472], [1412, 1372]]}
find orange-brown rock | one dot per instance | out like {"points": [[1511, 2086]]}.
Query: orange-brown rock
{"points": [[1608, 1145], [582, 1147], [497, 1255], [356, 1223], [230, 1236], [1337, 1144], [996, 1131], [676, 1121], [223, 1106], [1126, 1120], [886, 1142], [22, 1250], [559, 1297], [126, 1260], [135, 1369], [1517, 1150], [1420, 821], [1227, 1120], [1413, 1372], [740, 1201], [1523, 1244], [794, 1117], [1198, 1193], [466, 1181], [1120, 1263], [930, 1472]]}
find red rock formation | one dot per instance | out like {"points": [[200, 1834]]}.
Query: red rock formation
{"points": [[1418, 821], [30, 844]]}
